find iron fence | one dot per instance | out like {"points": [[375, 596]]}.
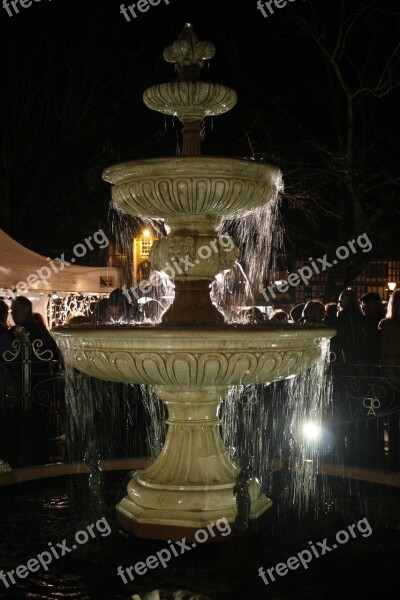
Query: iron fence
{"points": [[31, 403], [365, 416], [36, 425]]}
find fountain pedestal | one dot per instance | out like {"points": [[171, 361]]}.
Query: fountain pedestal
{"points": [[191, 483]]}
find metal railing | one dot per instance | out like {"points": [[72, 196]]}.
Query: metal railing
{"points": [[31, 403], [365, 416], [34, 425]]}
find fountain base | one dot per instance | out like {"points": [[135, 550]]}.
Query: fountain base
{"points": [[164, 524], [191, 484]]}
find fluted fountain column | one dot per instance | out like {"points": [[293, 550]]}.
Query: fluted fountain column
{"points": [[190, 484]]}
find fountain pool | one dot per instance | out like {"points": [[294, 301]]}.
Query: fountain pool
{"points": [[54, 509]]}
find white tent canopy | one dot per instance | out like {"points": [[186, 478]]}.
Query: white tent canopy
{"points": [[23, 270]]}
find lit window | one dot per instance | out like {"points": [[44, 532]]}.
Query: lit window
{"points": [[145, 247]]}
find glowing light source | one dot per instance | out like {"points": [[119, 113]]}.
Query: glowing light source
{"points": [[146, 233], [392, 285], [311, 431]]}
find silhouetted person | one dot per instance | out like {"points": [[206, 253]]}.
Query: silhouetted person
{"points": [[330, 314], [279, 316], [6, 338], [45, 359], [390, 328], [9, 412], [243, 502], [121, 309], [21, 310], [101, 312], [355, 342], [252, 316], [313, 313], [371, 307], [297, 312]]}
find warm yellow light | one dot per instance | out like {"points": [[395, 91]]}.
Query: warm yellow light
{"points": [[392, 285], [146, 233]]}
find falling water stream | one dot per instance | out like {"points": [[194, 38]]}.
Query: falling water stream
{"points": [[259, 236], [275, 431]]}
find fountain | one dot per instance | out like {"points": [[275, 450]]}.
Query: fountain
{"points": [[192, 356]]}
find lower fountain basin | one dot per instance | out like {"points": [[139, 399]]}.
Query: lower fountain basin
{"points": [[192, 483], [191, 357]]}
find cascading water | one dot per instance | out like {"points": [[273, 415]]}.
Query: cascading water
{"points": [[157, 430], [308, 398], [275, 431], [259, 236], [104, 420]]}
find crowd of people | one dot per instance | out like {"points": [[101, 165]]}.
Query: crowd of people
{"points": [[119, 307], [364, 333]]}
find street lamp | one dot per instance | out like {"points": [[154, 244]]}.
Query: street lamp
{"points": [[392, 285]]}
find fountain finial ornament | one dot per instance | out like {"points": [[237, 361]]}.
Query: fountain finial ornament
{"points": [[188, 53], [188, 98]]}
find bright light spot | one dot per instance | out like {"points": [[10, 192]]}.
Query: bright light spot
{"points": [[311, 431], [143, 300], [146, 233]]}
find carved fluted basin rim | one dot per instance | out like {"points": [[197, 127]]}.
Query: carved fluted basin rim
{"points": [[171, 336], [185, 96], [210, 166], [187, 357]]}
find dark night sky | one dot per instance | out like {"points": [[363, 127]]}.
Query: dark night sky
{"points": [[72, 78]]}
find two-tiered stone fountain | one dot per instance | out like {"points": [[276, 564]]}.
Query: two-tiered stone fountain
{"points": [[192, 356]]}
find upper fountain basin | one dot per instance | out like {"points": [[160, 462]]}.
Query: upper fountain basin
{"points": [[186, 188], [190, 100], [191, 357]]}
